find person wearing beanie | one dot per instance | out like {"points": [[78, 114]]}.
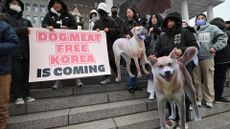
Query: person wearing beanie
{"points": [[175, 36], [211, 39], [58, 17], [110, 27], [222, 63], [20, 86]]}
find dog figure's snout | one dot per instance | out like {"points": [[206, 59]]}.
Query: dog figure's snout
{"points": [[167, 73]]}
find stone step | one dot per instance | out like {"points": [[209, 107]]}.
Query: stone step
{"points": [[86, 89], [78, 115], [150, 119], [74, 101]]}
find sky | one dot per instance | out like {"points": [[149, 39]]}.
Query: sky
{"points": [[221, 10]]}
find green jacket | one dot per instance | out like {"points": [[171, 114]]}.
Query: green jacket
{"points": [[210, 36]]}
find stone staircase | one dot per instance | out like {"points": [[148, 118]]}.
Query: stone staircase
{"points": [[96, 106]]}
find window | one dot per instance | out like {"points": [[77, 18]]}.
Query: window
{"points": [[42, 8], [35, 20], [28, 8], [35, 7], [28, 17]]}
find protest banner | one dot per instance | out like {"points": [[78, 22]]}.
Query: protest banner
{"points": [[66, 54]]}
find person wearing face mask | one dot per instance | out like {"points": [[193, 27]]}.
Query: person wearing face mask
{"points": [[93, 17], [20, 86], [59, 18], [78, 18], [110, 27], [211, 39], [114, 11]]}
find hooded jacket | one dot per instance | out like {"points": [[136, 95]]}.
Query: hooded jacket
{"points": [[176, 37], [20, 25], [65, 19], [8, 41], [222, 56], [210, 36]]}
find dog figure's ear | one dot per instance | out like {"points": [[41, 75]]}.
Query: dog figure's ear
{"points": [[152, 59], [133, 30], [173, 53]]}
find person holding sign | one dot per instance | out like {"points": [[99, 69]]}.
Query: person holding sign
{"points": [[59, 18], [20, 56], [111, 28]]}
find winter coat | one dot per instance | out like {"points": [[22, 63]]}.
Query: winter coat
{"points": [[8, 42], [20, 25], [210, 36], [110, 35], [222, 56], [151, 40], [177, 37], [127, 26], [65, 19]]}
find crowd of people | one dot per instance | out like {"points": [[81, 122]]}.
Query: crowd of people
{"points": [[208, 69]]}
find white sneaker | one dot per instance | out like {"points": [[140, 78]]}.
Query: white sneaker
{"points": [[57, 85], [199, 104], [30, 99], [19, 101], [151, 96], [190, 108], [107, 80], [209, 105], [78, 82], [186, 126]]}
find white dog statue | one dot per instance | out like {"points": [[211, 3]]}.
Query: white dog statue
{"points": [[131, 48]]}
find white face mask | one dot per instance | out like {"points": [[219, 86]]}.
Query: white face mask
{"points": [[16, 8]]}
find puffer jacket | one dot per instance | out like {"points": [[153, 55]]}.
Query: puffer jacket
{"points": [[53, 19], [8, 42], [20, 25]]}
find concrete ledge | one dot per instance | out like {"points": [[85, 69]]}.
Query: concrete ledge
{"points": [[17, 109], [66, 102], [102, 111], [125, 95], [39, 120], [101, 124], [146, 120]]}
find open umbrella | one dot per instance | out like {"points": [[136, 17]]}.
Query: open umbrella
{"points": [[153, 6]]}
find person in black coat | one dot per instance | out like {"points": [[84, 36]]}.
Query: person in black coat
{"points": [[13, 10], [58, 16], [174, 36], [222, 62], [130, 22], [152, 38], [8, 42], [111, 28]]}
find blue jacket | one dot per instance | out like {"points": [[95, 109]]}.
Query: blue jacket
{"points": [[8, 41]]}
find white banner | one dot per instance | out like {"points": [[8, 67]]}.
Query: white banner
{"points": [[65, 54]]}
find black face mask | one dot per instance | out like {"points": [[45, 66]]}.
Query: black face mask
{"points": [[114, 13], [102, 13]]}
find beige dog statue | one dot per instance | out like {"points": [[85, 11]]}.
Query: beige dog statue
{"points": [[131, 48]]}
